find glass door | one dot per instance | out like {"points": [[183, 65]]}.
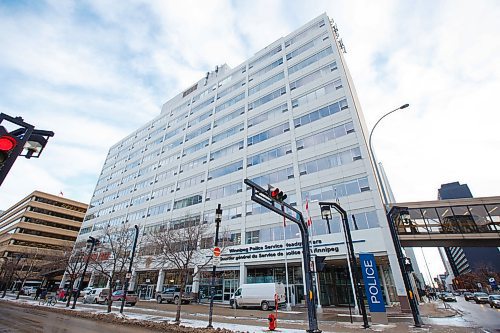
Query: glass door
{"points": [[230, 286]]}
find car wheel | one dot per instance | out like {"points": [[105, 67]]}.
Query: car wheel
{"points": [[176, 300], [132, 304], [95, 300], [159, 300], [264, 306], [235, 305]]}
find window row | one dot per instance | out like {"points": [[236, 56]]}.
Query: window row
{"points": [[224, 191], [307, 46], [317, 93], [332, 192], [325, 136], [263, 136], [331, 161], [269, 155], [321, 113], [318, 74], [310, 60]]}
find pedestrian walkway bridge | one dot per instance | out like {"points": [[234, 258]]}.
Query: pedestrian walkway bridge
{"points": [[457, 222]]}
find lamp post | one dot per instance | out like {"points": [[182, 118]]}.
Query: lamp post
{"points": [[326, 214], [218, 219], [24, 138], [129, 272], [379, 178], [92, 241]]}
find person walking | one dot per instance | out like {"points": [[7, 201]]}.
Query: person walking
{"points": [[37, 292]]}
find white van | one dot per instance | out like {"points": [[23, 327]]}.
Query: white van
{"points": [[258, 295], [97, 296]]}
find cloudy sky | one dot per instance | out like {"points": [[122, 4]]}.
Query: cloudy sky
{"points": [[93, 71]]}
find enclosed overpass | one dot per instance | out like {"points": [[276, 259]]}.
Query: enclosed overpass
{"points": [[448, 223]]}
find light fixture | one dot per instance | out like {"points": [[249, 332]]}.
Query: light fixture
{"points": [[326, 213]]}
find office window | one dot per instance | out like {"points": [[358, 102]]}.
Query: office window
{"points": [[224, 191], [229, 117], [266, 83], [151, 155], [162, 191], [229, 90], [265, 56], [225, 170], [314, 95], [200, 118], [313, 76], [267, 98], [324, 136], [189, 201], [226, 150], [263, 136], [332, 192], [252, 237], [191, 181], [331, 161], [159, 209], [274, 177], [132, 165], [193, 163], [174, 132], [309, 45], [310, 60], [202, 105], [169, 160], [166, 175], [137, 215], [143, 184], [365, 220], [305, 33], [264, 70], [253, 208], [321, 113], [125, 191], [128, 178], [177, 120], [228, 133], [269, 155], [172, 145], [196, 147], [272, 114], [146, 170], [198, 132], [230, 102]]}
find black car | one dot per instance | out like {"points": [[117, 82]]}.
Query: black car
{"points": [[468, 296]]}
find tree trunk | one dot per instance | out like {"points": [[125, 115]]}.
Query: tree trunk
{"points": [[70, 292], [111, 286], [179, 304]]}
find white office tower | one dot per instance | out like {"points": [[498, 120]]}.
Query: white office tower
{"points": [[288, 116]]}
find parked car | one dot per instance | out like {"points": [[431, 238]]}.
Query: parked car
{"points": [[480, 297], [172, 295], [28, 291], [85, 291], [131, 297], [97, 296], [258, 295], [494, 301], [448, 297], [468, 296]]}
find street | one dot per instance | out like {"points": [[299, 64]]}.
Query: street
{"points": [[481, 315], [33, 320]]}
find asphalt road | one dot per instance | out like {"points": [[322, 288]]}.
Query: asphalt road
{"points": [[31, 320], [481, 315]]}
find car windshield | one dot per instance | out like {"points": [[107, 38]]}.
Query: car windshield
{"points": [[495, 297], [118, 292], [481, 294]]}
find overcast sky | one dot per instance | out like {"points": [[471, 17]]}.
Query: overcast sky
{"points": [[94, 71]]}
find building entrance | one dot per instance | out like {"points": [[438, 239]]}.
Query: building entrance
{"points": [[146, 291]]}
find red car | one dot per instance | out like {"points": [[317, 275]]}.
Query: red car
{"points": [[131, 297]]}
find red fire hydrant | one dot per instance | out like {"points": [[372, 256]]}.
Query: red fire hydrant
{"points": [[272, 322]]}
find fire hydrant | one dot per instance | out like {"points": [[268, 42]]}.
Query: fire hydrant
{"points": [[272, 322]]}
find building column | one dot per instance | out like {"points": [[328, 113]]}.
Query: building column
{"points": [[63, 281], [131, 284], [159, 282], [196, 281], [92, 278], [386, 287], [243, 273]]}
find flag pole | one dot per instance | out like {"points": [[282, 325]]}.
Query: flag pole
{"points": [[288, 306], [319, 309]]}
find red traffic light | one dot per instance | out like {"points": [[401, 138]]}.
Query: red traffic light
{"points": [[7, 143], [275, 193]]}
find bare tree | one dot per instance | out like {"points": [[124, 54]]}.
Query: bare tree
{"points": [[113, 255], [9, 267], [178, 247], [28, 267]]}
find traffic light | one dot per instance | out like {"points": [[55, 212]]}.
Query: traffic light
{"points": [[276, 194], [7, 144], [320, 263], [408, 265]]}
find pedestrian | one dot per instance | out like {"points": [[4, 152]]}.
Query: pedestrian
{"points": [[37, 292], [43, 294]]}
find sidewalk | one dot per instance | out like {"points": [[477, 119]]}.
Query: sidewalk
{"points": [[243, 321]]}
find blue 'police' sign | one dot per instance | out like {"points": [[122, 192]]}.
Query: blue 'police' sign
{"points": [[372, 283]]}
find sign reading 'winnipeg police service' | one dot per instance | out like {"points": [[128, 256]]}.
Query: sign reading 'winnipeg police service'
{"points": [[372, 283]]}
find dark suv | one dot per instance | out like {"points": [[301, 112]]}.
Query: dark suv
{"points": [[172, 295]]}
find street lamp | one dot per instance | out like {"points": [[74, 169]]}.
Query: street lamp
{"points": [[93, 242], [129, 272], [24, 141], [327, 214], [218, 219], [379, 178]]}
